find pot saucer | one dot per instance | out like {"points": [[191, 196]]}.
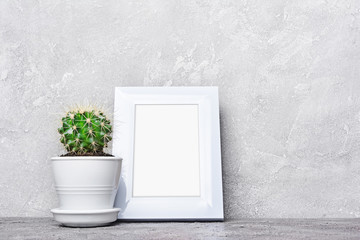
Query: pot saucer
{"points": [[85, 218]]}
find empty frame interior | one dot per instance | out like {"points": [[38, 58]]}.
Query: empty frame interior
{"points": [[166, 150]]}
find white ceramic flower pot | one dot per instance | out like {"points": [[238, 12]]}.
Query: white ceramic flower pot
{"points": [[86, 183]]}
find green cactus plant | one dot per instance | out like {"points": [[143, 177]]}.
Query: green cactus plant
{"points": [[85, 132]]}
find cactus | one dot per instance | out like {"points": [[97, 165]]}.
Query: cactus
{"points": [[85, 132]]}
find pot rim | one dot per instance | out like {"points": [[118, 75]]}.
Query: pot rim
{"points": [[80, 158]]}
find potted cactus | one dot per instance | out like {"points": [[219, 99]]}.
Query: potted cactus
{"points": [[86, 178]]}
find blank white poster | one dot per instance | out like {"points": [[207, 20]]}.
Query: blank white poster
{"points": [[166, 151]]}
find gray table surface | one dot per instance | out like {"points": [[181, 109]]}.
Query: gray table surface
{"points": [[46, 228]]}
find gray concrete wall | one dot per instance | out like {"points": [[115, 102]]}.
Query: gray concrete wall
{"points": [[288, 74]]}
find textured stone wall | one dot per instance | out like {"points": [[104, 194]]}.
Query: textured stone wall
{"points": [[288, 74]]}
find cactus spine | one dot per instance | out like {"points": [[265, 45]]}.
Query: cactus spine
{"points": [[85, 132]]}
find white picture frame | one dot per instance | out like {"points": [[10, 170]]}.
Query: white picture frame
{"points": [[164, 177]]}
